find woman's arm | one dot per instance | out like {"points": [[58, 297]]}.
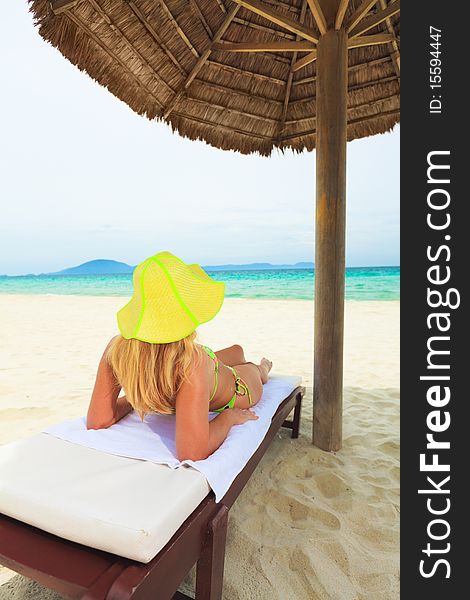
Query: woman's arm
{"points": [[196, 437], [105, 407]]}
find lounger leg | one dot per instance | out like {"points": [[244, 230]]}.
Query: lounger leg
{"points": [[210, 566], [296, 419]]}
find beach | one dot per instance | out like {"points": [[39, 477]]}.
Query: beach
{"points": [[309, 524]]}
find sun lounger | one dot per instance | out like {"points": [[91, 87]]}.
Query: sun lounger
{"points": [[141, 533]]}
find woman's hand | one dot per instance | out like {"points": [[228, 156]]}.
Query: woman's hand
{"points": [[238, 416]]}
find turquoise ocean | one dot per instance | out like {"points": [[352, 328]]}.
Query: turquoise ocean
{"points": [[362, 283]]}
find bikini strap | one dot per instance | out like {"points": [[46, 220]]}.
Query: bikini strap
{"points": [[212, 355], [241, 387], [246, 390]]}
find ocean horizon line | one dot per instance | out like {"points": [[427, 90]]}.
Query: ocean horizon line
{"points": [[306, 266], [361, 283]]}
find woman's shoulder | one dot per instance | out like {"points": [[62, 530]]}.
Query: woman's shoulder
{"points": [[207, 351], [200, 358], [197, 375]]}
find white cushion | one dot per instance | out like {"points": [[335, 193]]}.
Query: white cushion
{"points": [[153, 439], [121, 505]]}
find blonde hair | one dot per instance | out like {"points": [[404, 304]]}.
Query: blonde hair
{"points": [[151, 374]]}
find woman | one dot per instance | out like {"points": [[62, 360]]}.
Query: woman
{"points": [[161, 368]]}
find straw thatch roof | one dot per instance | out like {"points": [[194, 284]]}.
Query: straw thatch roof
{"points": [[170, 60]]}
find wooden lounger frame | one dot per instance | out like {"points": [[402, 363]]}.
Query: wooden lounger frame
{"points": [[80, 572]]}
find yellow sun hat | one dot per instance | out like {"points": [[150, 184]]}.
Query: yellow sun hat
{"points": [[170, 300]]}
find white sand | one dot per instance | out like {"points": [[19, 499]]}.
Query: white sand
{"points": [[309, 525]]}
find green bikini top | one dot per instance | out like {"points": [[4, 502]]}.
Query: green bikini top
{"points": [[212, 355]]}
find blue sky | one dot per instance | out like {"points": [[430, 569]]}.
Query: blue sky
{"points": [[83, 177]]}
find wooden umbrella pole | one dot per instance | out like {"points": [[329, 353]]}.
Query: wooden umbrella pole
{"points": [[331, 124]]}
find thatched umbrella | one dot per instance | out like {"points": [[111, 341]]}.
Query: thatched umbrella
{"points": [[252, 76]]}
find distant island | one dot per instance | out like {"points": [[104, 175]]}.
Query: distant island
{"points": [[97, 267], [113, 267]]}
